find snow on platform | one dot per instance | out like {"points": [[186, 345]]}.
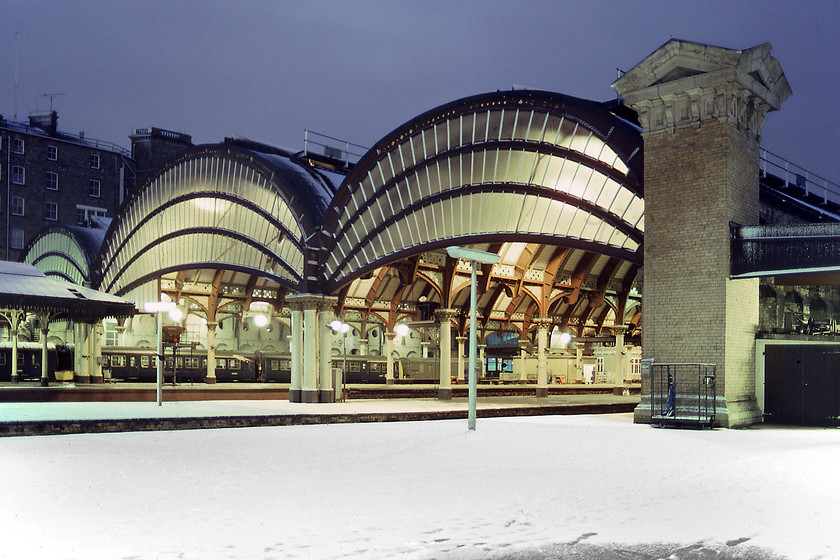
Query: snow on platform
{"points": [[26, 418], [525, 487]]}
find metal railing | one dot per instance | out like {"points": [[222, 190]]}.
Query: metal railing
{"points": [[792, 174], [335, 148]]}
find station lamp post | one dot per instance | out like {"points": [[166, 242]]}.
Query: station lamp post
{"points": [[159, 308], [475, 257]]}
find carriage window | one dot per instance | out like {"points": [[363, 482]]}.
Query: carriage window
{"points": [[220, 363], [355, 366], [132, 360], [118, 361], [275, 365], [36, 359], [144, 361], [192, 363], [287, 365], [179, 362], [2, 359], [234, 364], [170, 362]]}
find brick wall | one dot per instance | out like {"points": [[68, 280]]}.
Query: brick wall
{"points": [[697, 180]]}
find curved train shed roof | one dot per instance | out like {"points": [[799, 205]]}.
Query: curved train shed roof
{"points": [[550, 182]]}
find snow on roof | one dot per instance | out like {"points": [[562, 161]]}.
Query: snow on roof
{"points": [[24, 287]]}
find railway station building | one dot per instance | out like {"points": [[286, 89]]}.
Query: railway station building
{"points": [[590, 206]]}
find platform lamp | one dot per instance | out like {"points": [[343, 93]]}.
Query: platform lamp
{"points": [[474, 256], [159, 308], [343, 328]]}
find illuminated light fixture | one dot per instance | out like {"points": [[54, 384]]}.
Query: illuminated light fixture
{"points": [[401, 330], [176, 315], [260, 320], [565, 338]]}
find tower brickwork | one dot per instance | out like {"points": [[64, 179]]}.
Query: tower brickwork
{"points": [[701, 109]]}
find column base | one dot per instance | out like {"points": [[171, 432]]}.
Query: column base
{"points": [[326, 396], [294, 395], [542, 392], [15, 378], [97, 379], [390, 381], [738, 414], [81, 378], [444, 393], [309, 396], [45, 382], [210, 380]]}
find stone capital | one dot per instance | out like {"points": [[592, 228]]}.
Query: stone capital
{"points": [[683, 84], [445, 314], [543, 322], [318, 302]]}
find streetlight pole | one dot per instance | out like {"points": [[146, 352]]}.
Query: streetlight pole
{"points": [[475, 257], [159, 308]]}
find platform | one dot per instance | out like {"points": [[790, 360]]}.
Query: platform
{"points": [[61, 414]]}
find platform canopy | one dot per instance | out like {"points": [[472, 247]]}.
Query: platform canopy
{"points": [[25, 288]]}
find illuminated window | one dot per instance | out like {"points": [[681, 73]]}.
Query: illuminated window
{"points": [[52, 181]]}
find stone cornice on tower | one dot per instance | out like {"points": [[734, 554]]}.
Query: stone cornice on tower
{"points": [[682, 84]]}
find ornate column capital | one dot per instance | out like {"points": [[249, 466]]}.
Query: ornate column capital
{"points": [[445, 313]]}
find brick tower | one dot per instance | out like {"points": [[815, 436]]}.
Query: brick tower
{"points": [[702, 109]]}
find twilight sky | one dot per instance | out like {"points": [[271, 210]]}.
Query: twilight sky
{"points": [[356, 70]]}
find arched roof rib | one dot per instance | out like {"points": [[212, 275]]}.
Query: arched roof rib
{"points": [[224, 206], [516, 165]]}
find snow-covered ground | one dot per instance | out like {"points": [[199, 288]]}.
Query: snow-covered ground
{"points": [[514, 488]]}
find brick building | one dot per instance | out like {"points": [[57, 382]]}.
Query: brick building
{"points": [[52, 177]]}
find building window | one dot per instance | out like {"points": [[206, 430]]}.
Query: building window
{"points": [[94, 161], [94, 188], [111, 334], [16, 240], [52, 153], [18, 146], [51, 211], [18, 175], [17, 206], [52, 181], [83, 213]]}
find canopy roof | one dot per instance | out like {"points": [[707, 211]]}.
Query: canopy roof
{"points": [[25, 288]]}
